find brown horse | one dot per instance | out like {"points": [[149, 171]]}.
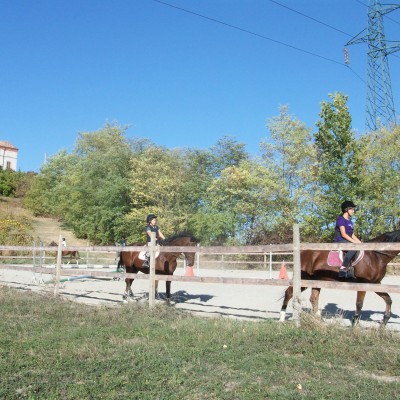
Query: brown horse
{"points": [[371, 269], [166, 263], [71, 254]]}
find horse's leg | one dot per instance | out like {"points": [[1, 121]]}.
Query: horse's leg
{"points": [[156, 289], [359, 305], [314, 301], [288, 296], [128, 289], [168, 291], [125, 296], [388, 300]]}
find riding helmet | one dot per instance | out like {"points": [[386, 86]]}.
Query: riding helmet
{"points": [[346, 205], [150, 217]]}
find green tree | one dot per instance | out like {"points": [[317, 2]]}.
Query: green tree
{"points": [[244, 195], [337, 153], [88, 189], [11, 182], [48, 190], [100, 185], [227, 152], [158, 176], [291, 154], [380, 181]]}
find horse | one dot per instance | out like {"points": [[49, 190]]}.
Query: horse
{"points": [[166, 262], [71, 254], [370, 269]]}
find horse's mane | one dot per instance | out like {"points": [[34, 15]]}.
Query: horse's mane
{"points": [[387, 237], [180, 235]]}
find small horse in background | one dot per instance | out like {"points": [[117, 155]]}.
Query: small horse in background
{"points": [[71, 254], [166, 262], [371, 269]]}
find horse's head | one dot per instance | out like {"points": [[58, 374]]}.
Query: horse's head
{"points": [[183, 239]]}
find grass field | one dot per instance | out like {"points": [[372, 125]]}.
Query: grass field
{"points": [[54, 349]]}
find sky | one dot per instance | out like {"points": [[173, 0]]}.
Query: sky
{"points": [[182, 73]]}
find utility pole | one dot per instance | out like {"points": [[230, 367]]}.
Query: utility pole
{"points": [[380, 109]]}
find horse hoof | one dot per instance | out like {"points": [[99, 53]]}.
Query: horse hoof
{"points": [[125, 298]]}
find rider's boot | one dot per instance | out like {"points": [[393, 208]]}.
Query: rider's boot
{"points": [[346, 272], [146, 262]]}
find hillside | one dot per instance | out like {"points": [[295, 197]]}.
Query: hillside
{"points": [[47, 229]]}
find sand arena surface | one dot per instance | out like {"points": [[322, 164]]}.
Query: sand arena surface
{"points": [[251, 302]]}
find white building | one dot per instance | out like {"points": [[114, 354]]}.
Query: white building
{"points": [[8, 155]]}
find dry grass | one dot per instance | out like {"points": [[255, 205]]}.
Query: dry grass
{"points": [[46, 229]]}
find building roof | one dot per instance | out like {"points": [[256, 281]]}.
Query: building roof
{"points": [[8, 145]]}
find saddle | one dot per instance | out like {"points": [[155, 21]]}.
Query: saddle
{"points": [[335, 258], [142, 255]]}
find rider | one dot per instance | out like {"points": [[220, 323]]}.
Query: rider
{"points": [[344, 233], [151, 227]]}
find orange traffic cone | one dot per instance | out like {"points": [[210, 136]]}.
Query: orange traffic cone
{"points": [[189, 271], [282, 273]]}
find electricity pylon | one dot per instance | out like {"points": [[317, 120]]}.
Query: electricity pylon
{"points": [[380, 109]]}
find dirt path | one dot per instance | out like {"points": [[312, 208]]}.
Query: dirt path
{"points": [[216, 300], [47, 229]]}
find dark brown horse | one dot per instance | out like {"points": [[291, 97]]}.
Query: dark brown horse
{"points": [[166, 263], [68, 254], [371, 269]]}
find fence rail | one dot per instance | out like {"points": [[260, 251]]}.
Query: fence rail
{"points": [[283, 249]]}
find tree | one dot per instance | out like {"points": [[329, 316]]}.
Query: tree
{"points": [[291, 154], [88, 189], [157, 178], [244, 195], [380, 181], [12, 183], [100, 185], [227, 152], [338, 167], [48, 189]]}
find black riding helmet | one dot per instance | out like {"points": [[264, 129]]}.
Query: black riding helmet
{"points": [[346, 205], [150, 217]]}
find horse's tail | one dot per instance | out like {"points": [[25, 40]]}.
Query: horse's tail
{"points": [[119, 265]]}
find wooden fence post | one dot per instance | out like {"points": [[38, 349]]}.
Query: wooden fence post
{"points": [[296, 275], [152, 280], [58, 267]]}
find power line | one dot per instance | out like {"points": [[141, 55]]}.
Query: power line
{"points": [[250, 32], [312, 18]]}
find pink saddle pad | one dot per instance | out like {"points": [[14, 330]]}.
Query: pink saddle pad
{"points": [[335, 258]]}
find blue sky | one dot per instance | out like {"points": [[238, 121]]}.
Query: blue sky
{"points": [[177, 78]]}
